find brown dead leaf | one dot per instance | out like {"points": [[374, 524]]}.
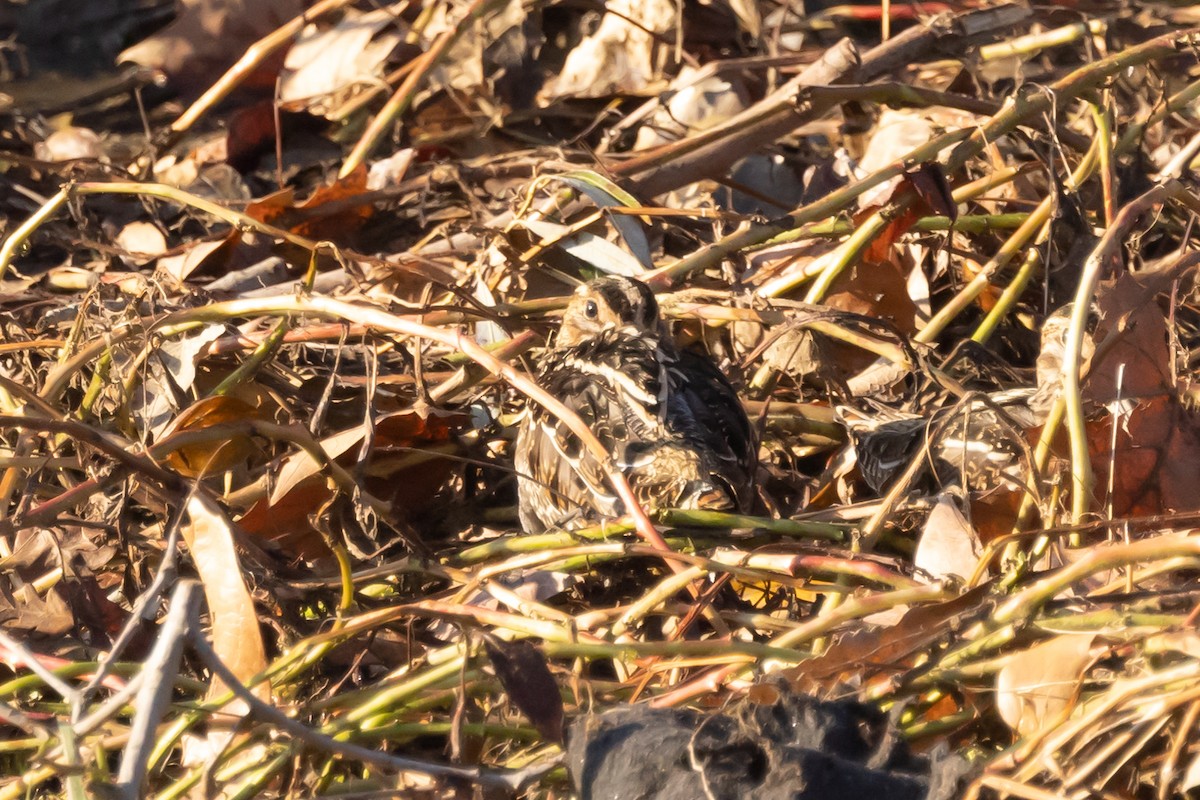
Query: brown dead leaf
{"points": [[251, 131], [994, 513], [92, 609], [287, 522], [236, 636], [878, 285], [207, 38], [172, 370], [526, 677], [35, 552], [1138, 362], [990, 295], [25, 610], [218, 456], [875, 287], [1036, 687], [403, 430], [200, 258], [881, 249], [1155, 462], [410, 480], [887, 651], [311, 218]]}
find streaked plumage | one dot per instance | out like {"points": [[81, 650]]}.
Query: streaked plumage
{"points": [[669, 418], [973, 444]]}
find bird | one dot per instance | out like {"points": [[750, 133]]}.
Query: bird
{"points": [[883, 448], [669, 418], [973, 443]]}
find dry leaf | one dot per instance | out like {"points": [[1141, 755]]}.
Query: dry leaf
{"points": [[234, 623], [693, 103], [208, 36], [1156, 460], [1036, 687], [620, 56], [213, 457], [236, 636], [199, 256], [1139, 362], [411, 480], [388, 172], [896, 134], [948, 544], [325, 63], [142, 243], [171, 369], [526, 677], [69, 144], [311, 218]]}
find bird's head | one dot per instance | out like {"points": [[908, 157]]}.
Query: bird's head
{"points": [[610, 303]]}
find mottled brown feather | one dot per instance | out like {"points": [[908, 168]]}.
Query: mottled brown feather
{"points": [[670, 420]]}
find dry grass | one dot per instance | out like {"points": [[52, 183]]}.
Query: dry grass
{"points": [[325, 444]]}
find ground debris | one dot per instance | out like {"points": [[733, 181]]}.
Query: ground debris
{"points": [[795, 748]]}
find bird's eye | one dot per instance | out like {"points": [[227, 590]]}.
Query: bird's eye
{"points": [[591, 310]]}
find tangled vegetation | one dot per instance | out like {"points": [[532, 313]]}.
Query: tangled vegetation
{"points": [[274, 290]]}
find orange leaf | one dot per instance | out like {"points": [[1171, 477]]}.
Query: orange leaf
{"points": [[311, 218], [217, 456]]}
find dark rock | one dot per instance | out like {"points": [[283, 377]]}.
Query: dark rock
{"points": [[796, 748]]}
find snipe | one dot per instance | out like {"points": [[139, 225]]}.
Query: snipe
{"points": [[670, 420]]}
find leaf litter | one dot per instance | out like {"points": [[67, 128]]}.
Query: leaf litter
{"points": [[274, 284]]}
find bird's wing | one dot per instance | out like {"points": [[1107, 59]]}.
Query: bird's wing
{"points": [[711, 404], [611, 385], [560, 478]]}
